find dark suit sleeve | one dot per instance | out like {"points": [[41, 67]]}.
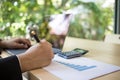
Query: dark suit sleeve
{"points": [[10, 69]]}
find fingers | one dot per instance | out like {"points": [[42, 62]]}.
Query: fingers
{"points": [[44, 41], [18, 46], [48, 47], [25, 42]]}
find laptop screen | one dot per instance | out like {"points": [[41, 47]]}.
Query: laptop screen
{"points": [[59, 26]]}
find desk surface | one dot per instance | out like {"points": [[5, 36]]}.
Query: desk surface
{"points": [[98, 50]]}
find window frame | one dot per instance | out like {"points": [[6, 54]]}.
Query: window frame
{"points": [[117, 17]]}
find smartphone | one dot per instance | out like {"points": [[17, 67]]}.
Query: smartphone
{"points": [[81, 51]]}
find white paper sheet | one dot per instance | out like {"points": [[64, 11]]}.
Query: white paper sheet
{"points": [[89, 68]]}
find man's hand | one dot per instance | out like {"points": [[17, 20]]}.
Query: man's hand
{"points": [[15, 43], [37, 56]]}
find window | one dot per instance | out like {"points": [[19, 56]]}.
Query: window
{"points": [[93, 19]]}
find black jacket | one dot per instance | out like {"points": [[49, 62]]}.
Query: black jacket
{"points": [[10, 69]]}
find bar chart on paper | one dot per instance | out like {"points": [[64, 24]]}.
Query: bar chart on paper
{"points": [[77, 67], [80, 68]]}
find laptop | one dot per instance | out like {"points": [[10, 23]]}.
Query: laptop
{"points": [[59, 26]]}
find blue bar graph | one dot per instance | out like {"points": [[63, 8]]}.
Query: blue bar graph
{"points": [[77, 67]]}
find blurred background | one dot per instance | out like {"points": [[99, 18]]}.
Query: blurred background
{"points": [[91, 19]]}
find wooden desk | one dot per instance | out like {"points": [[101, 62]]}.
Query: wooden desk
{"points": [[98, 50]]}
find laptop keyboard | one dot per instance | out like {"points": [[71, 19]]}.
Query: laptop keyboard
{"points": [[18, 51]]}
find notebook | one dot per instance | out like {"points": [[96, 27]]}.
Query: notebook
{"points": [[59, 26]]}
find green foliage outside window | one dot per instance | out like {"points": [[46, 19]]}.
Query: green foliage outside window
{"points": [[94, 22]]}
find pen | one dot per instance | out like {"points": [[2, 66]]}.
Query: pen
{"points": [[35, 36]]}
